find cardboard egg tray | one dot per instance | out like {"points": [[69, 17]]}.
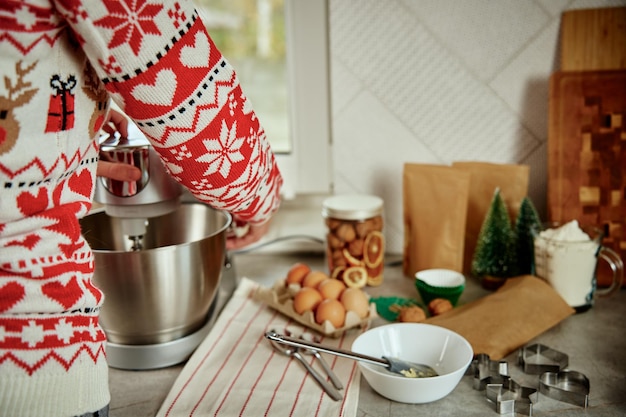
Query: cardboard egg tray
{"points": [[280, 298]]}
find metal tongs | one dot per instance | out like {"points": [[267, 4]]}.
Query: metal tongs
{"points": [[394, 365], [293, 352], [311, 351]]}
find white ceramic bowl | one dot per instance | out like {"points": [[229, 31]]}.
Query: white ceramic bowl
{"points": [[446, 351]]}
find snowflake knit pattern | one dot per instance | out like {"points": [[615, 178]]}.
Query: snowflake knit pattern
{"points": [[61, 62]]}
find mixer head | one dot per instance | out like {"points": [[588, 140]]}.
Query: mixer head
{"points": [[135, 202]]}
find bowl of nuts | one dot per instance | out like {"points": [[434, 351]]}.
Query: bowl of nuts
{"points": [[439, 284]]}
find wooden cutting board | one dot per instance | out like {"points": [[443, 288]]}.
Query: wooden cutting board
{"points": [[593, 39], [587, 153]]}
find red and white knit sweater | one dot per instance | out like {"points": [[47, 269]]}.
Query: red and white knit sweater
{"points": [[60, 62]]}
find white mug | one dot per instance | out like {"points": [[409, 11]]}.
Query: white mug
{"points": [[566, 256]]}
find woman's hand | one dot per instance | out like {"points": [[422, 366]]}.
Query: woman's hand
{"points": [[116, 122], [254, 234], [119, 171]]}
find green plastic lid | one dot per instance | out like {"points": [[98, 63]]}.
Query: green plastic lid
{"points": [[389, 307]]}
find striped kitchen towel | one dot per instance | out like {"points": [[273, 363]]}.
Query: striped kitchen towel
{"points": [[236, 372]]}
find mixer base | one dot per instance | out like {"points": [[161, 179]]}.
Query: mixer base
{"points": [[162, 355]]}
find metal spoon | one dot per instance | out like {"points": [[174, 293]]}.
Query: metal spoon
{"points": [[395, 365], [329, 389]]}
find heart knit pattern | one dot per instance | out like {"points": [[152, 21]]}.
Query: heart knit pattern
{"points": [[157, 61]]}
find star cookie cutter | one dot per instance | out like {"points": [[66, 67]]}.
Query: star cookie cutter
{"points": [[510, 397], [568, 386], [537, 359], [487, 371]]}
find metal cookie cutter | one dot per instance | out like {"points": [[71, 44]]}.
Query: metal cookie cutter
{"points": [[537, 359], [568, 386], [510, 397], [486, 371]]}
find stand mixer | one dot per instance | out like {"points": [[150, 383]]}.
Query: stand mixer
{"points": [[160, 261]]}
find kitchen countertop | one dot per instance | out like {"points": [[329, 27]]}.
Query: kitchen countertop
{"points": [[594, 342]]}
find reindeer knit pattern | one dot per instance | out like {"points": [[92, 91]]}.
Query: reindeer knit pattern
{"points": [[61, 62]]}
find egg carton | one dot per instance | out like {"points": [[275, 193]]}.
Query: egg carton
{"points": [[280, 298]]}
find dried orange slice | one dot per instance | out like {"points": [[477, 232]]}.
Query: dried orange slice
{"points": [[374, 271], [355, 277], [338, 272], [375, 281], [374, 249], [352, 261]]}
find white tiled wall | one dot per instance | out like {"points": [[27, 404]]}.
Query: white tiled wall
{"points": [[437, 81]]}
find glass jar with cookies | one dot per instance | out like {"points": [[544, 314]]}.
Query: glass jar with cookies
{"points": [[355, 245]]}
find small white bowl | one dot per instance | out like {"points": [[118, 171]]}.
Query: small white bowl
{"points": [[441, 277], [440, 283], [446, 351]]}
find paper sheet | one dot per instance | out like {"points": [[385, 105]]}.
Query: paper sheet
{"points": [[499, 323]]}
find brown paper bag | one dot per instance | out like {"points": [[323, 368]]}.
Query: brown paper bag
{"points": [[499, 323], [435, 207], [485, 177]]}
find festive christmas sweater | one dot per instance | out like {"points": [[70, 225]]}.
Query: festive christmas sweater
{"points": [[60, 62]]}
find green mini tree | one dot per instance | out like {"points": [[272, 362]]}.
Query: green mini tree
{"points": [[494, 256], [527, 220]]}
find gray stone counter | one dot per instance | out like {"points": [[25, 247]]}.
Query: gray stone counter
{"points": [[594, 341]]}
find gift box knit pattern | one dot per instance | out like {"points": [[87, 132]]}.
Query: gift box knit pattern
{"points": [[61, 62]]}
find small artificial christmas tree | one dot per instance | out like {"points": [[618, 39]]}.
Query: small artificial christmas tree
{"points": [[494, 257], [527, 220]]}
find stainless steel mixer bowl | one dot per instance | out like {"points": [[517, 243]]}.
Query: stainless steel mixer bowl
{"points": [[164, 291]]}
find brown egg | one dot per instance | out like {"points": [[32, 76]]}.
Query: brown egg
{"points": [[313, 278], [306, 299], [354, 299], [331, 288], [331, 310], [297, 272]]}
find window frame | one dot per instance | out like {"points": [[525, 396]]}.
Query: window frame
{"points": [[307, 169]]}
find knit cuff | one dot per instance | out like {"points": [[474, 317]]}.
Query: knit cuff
{"points": [[53, 390]]}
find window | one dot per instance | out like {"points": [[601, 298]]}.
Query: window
{"points": [[279, 49]]}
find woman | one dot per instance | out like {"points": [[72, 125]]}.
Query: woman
{"points": [[61, 62]]}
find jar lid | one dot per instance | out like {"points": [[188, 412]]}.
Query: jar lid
{"points": [[352, 207]]}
